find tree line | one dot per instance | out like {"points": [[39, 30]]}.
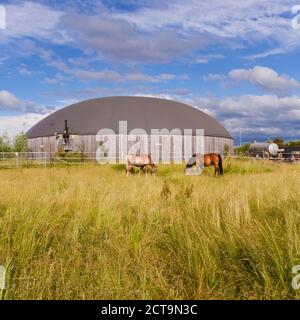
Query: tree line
{"points": [[18, 143]]}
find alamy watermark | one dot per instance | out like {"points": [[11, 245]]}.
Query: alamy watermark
{"points": [[164, 145], [296, 19], [2, 278], [296, 279], [2, 18]]}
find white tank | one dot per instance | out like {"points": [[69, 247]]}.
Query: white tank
{"points": [[273, 149], [257, 147]]}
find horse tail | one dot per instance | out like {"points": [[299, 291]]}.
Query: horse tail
{"points": [[220, 164]]}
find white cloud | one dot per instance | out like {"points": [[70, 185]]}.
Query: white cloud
{"points": [[201, 60], [31, 113], [160, 32], [263, 77], [23, 71], [246, 20], [258, 116], [17, 123], [90, 74], [266, 78], [266, 54], [118, 39], [57, 79], [104, 75], [205, 59], [34, 20], [8, 101], [214, 76]]}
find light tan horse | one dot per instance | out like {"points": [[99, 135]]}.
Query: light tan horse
{"points": [[210, 159], [142, 162]]}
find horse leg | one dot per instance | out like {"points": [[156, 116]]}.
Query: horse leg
{"points": [[128, 168], [216, 170], [142, 169], [153, 170]]}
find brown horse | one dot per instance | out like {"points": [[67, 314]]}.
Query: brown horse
{"points": [[142, 162], [209, 160]]}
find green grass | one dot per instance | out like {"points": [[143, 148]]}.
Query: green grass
{"points": [[90, 232]]}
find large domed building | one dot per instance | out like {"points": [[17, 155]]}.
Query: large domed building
{"points": [[86, 118]]}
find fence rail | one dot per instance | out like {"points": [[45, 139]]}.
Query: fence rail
{"points": [[18, 159], [23, 159]]}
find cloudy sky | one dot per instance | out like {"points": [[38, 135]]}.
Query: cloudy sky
{"points": [[236, 60]]}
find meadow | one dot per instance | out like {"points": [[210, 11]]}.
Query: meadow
{"points": [[90, 232]]}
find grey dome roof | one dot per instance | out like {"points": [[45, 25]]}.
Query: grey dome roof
{"points": [[88, 117]]}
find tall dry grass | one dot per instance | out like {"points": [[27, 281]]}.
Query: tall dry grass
{"points": [[92, 233]]}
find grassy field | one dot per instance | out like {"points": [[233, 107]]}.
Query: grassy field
{"points": [[90, 232]]}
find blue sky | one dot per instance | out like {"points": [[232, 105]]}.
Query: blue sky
{"points": [[236, 60]]}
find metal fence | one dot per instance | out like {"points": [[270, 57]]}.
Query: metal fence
{"points": [[20, 159], [23, 159]]}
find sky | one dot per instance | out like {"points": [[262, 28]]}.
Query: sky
{"points": [[235, 60]]}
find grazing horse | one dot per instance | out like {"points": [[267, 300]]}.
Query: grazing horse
{"points": [[209, 160], [142, 162]]}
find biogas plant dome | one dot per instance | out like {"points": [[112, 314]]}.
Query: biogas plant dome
{"points": [[86, 118]]}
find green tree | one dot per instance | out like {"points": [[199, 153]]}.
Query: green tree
{"points": [[20, 143], [279, 142], [226, 150], [293, 143], [5, 143], [242, 150]]}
